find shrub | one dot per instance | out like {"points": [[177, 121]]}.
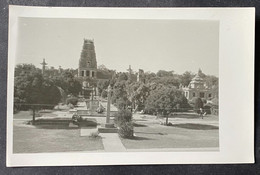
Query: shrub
{"points": [[126, 130], [72, 100], [94, 135], [123, 116]]}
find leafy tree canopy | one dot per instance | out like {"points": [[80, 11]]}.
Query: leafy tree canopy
{"points": [[165, 100], [31, 87]]}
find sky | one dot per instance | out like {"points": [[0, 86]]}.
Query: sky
{"points": [[151, 45]]}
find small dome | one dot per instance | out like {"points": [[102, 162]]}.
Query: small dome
{"points": [[197, 81]]}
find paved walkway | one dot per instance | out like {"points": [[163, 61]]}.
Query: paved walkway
{"points": [[112, 142]]}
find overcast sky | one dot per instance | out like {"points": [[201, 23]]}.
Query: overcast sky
{"points": [[150, 45]]}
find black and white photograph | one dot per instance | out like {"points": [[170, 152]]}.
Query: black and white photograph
{"points": [[86, 85]]}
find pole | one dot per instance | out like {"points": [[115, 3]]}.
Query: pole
{"points": [[33, 115], [108, 104]]}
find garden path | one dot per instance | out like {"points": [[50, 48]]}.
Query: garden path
{"points": [[112, 142]]}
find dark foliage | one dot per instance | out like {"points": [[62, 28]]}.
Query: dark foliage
{"points": [[31, 87], [123, 116], [126, 130]]}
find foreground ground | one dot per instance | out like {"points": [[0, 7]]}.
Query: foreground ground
{"points": [[30, 139], [188, 131]]}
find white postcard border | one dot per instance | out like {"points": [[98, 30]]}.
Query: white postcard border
{"points": [[236, 89]]}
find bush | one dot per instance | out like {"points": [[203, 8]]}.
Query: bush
{"points": [[123, 116], [126, 130], [72, 100], [123, 120]]}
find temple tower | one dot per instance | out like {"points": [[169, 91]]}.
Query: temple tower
{"points": [[88, 62], [87, 71]]}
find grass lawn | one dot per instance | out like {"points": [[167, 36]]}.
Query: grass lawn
{"points": [[181, 135], [28, 139]]}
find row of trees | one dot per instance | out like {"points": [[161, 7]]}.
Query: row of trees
{"points": [[32, 87], [158, 92]]}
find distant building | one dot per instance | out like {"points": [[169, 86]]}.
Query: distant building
{"points": [[198, 88]]}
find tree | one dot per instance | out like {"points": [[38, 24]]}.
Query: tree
{"points": [[22, 69], [164, 73], [137, 93], [211, 80], [186, 78], [102, 86], [122, 76], [148, 76], [67, 82], [164, 100], [31, 87], [168, 81], [119, 95], [102, 67]]}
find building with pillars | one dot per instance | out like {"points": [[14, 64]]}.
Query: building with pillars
{"points": [[198, 88]]}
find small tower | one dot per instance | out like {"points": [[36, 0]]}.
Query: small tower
{"points": [[43, 65]]}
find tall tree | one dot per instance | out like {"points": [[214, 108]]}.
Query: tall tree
{"points": [[31, 87], [119, 95], [67, 82]]}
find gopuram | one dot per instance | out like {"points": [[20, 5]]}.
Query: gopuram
{"points": [[87, 71]]}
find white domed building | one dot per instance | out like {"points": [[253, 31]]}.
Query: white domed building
{"points": [[198, 88]]}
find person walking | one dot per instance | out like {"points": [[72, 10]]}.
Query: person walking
{"points": [[201, 113]]}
